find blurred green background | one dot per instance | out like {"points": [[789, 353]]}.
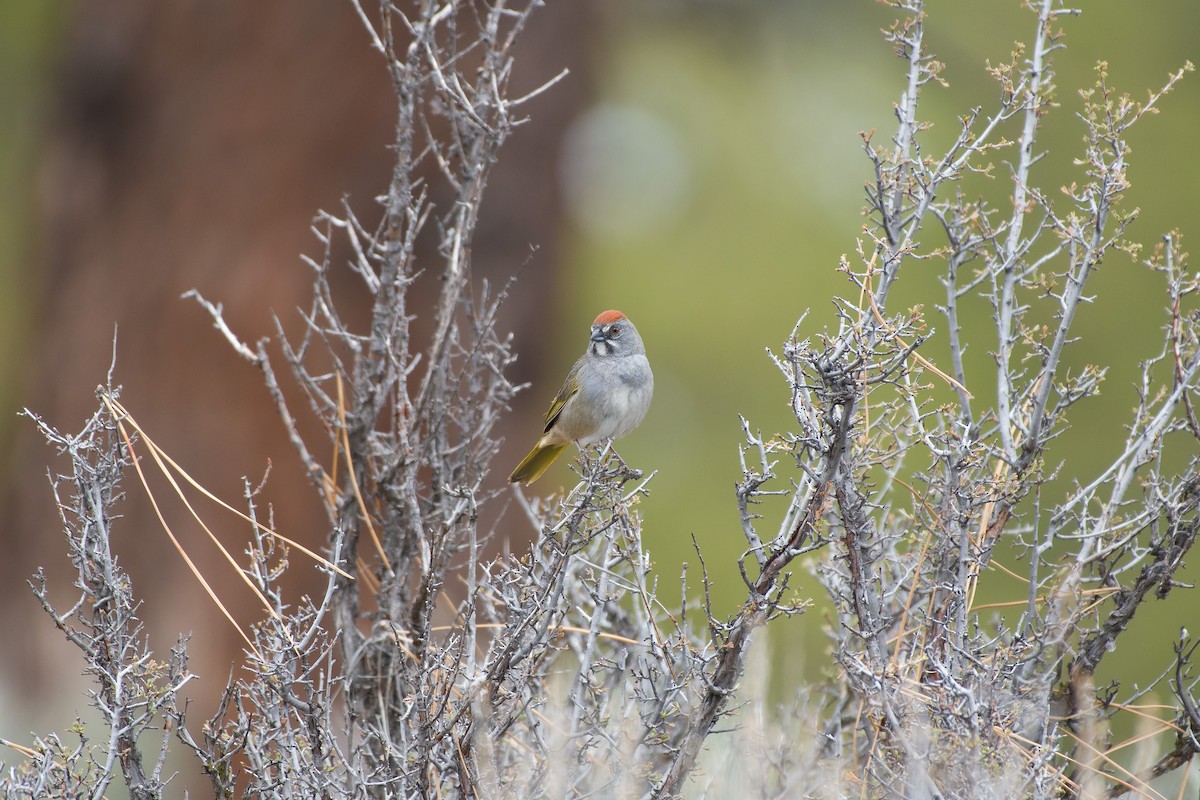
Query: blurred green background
{"points": [[729, 181], [712, 185], [27, 35]]}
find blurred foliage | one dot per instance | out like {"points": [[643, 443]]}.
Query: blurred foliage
{"points": [[765, 111], [758, 107], [26, 35]]}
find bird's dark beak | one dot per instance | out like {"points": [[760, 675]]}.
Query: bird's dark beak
{"points": [[598, 335]]}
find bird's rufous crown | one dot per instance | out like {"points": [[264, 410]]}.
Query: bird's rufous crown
{"points": [[608, 316]]}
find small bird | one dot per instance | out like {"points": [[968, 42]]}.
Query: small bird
{"points": [[605, 396]]}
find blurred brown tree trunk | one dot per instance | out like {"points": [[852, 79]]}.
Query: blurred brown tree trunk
{"points": [[192, 146]]}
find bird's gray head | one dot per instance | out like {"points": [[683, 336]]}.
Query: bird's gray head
{"points": [[614, 335]]}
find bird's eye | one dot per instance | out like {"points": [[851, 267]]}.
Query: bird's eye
{"points": [[614, 331]]}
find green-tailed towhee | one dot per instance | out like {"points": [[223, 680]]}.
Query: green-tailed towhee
{"points": [[606, 395]]}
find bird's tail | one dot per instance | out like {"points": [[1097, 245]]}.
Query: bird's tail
{"points": [[533, 465]]}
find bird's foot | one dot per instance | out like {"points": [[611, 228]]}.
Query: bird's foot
{"points": [[619, 469], [608, 464]]}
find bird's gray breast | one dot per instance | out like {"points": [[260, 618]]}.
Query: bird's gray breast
{"points": [[619, 390]]}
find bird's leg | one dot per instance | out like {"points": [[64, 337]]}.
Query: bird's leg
{"points": [[616, 456], [606, 455], [606, 448], [591, 459]]}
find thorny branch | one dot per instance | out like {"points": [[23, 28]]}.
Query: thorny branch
{"points": [[910, 503], [441, 670]]}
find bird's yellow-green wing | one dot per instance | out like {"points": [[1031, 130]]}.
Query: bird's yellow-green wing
{"points": [[569, 389]]}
